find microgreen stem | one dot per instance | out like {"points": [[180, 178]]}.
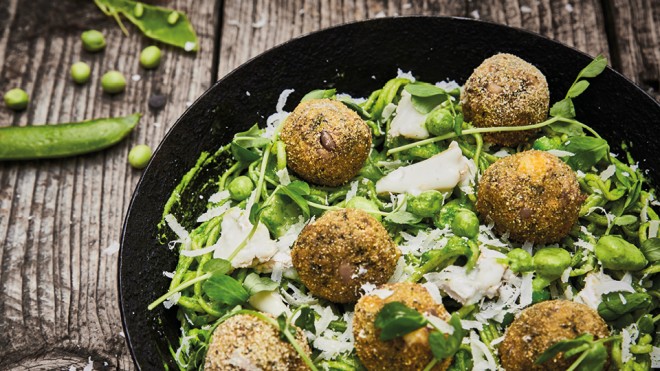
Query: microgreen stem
{"points": [[243, 243], [431, 364], [177, 289], [262, 175]]}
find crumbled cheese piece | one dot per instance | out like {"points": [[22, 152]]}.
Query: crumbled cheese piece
{"points": [[628, 337], [368, 288], [597, 284], [439, 323], [481, 356], [279, 116], [353, 191], [526, 289], [213, 212], [297, 297], [610, 217], [584, 244], [169, 275], [655, 358], [502, 153], [607, 173], [566, 274], [433, 291], [236, 227], [199, 252], [269, 302], [441, 172], [560, 153], [240, 362], [176, 227], [382, 293], [408, 122], [525, 9], [326, 316], [388, 111], [111, 249], [399, 271], [468, 325], [406, 75], [448, 85], [470, 287], [653, 228], [424, 241], [219, 197], [283, 176], [171, 300]]}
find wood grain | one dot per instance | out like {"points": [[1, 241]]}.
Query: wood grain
{"points": [[58, 288], [636, 36]]}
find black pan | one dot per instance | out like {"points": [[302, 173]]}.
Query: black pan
{"points": [[355, 58]]}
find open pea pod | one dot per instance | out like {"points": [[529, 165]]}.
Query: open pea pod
{"points": [[166, 25]]}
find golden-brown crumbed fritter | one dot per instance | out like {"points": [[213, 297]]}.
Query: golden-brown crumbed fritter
{"points": [[246, 342], [341, 251], [410, 352], [505, 91], [326, 142], [532, 195], [541, 326]]}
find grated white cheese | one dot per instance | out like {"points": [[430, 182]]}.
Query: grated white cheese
{"points": [[481, 356], [236, 227], [408, 122], [388, 111], [597, 284], [566, 274], [269, 302], [382, 293], [628, 337], [353, 191], [655, 358], [653, 228], [399, 271], [607, 173], [560, 153], [171, 300], [439, 323], [279, 116], [176, 227], [219, 197], [168, 274], [406, 75], [501, 153], [198, 252], [213, 212], [526, 289], [468, 325], [433, 291], [448, 85], [283, 176]]}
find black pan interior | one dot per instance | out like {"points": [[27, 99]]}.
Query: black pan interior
{"points": [[355, 58]]}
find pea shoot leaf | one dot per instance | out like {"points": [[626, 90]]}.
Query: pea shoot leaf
{"points": [[225, 289], [242, 154], [306, 319], [594, 68], [595, 358], [396, 319], [425, 105], [296, 190], [563, 346], [633, 195], [217, 266], [563, 108], [443, 345], [319, 94], [625, 220], [254, 283], [588, 151], [251, 138], [424, 90], [616, 304], [403, 217], [577, 88], [651, 249], [568, 128]]}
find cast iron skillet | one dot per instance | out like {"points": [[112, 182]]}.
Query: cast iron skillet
{"points": [[355, 58]]}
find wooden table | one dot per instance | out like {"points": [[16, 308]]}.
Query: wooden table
{"points": [[60, 219]]}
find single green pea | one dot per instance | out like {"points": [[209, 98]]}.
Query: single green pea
{"points": [[551, 262], [150, 57], [113, 82], [80, 72], [138, 11], [520, 261], [447, 213], [173, 18], [93, 40], [16, 99], [362, 203], [618, 254], [545, 143], [465, 224], [439, 122], [426, 204], [139, 156], [240, 188]]}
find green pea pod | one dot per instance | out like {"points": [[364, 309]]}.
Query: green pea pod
{"points": [[154, 21], [63, 140]]}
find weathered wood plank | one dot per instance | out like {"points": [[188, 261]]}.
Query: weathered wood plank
{"points": [[636, 31], [58, 285]]}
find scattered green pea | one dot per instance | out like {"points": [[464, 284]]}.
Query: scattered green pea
{"points": [[138, 11], [80, 72], [173, 18], [139, 156], [16, 99], [93, 40], [465, 224], [618, 254], [113, 82], [365, 204], [520, 261], [240, 188], [551, 262], [439, 122], [150, 57], [426, 204]]}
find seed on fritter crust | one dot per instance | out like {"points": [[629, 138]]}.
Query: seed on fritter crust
{"points": [[410, 352], [326, 142], [541, 326], [532, 195], [341, 251], [506, 91], [245, 342]]}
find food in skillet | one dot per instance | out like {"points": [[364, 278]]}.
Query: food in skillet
{"points": [[423, 229]]}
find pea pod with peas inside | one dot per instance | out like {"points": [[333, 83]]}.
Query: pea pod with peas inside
{"points": [[63, 140]]}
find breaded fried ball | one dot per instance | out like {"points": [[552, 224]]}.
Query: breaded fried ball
{"points": [[341, 251], [506, 91], [409, 352], [541, 326], [245, 342], [326, 142], [532, 195]]}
